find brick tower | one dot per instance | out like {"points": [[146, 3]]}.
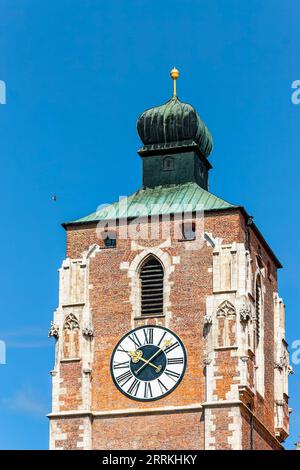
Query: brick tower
{"points": [[169, 332]]}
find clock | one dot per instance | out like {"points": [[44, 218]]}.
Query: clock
{"points": [[148, 363]]}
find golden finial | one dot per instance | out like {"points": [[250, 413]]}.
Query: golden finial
{"points": [[174, 74]]}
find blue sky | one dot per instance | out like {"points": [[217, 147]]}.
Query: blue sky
{"points": [[78, 73]]}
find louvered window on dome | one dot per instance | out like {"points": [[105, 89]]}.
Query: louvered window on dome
{"points": [[152, 287]]}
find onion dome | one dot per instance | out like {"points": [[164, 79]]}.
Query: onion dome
{"points": [[173, 124]]}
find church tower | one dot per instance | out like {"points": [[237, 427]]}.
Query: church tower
{"points": [[169, 333]]}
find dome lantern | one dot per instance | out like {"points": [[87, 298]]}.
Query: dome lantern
{"points": [[175, 128]]}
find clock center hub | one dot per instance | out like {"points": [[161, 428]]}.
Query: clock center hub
{"points": [[144, 370]]}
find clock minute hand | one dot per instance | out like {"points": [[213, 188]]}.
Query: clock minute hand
{"points": [[136, 356], [167, 343]]}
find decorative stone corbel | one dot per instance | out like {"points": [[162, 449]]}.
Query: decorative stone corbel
{"points": [[54, 330], [88, 331], [283, 362], [207, 360], [277, 365], [244, 358], [245, 313], [207, 319]]}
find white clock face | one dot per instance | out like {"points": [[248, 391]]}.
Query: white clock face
{"points": [[148, 363]]}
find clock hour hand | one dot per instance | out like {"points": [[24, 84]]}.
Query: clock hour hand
{"points": [[137, 356], [167, 343]]}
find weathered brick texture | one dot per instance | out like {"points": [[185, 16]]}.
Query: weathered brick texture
{"points": [[214, 369]]}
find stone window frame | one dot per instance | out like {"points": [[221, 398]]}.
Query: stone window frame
{"points": [[227, 311], [71, 322], [143, 289], [109, 235], [165, 166], [185, 238], [133, 273], [259, 342]]}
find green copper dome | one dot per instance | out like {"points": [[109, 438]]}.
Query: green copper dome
{"points": [[173, 124]]}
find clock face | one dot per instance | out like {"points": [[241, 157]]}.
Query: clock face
{"points": [[148, 363]]}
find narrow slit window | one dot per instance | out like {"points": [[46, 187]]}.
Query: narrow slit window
{"points": [[109, 239], [152, 287], [258, 310], [189, 231]]}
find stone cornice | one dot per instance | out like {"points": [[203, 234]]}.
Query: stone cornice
{"points": [[127, 412]]}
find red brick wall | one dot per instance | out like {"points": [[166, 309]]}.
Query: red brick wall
{"points": [[109, 301], [227, 369], [70, 373], [264, 406], [70, 428], [221, 421], [262, 440], [154, 432], [111, 311]]}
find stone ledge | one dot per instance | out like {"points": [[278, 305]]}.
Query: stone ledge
{"points": [[126, 412], [72, 359], [149, 316], [221, 403]]}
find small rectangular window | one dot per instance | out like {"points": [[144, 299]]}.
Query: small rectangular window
{"points": [[189, 231], [110, 242]]}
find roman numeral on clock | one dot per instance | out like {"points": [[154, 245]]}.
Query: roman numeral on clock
{"points": [[148, 333], [162, 338], [175, 360], [171, 347], [147, 390], [162, 386], [134, 338], [121, 365], [134, 387], [143, 366], [123, 378], [173, 375]]}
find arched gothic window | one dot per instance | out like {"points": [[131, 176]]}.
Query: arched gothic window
{"points": [[258, 308], [152, 287], [226, 323], [259, 336], [71, 337]]}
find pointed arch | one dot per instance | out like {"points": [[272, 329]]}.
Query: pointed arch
{"points": [[71, 322], [134, 268], [226, 309], [259, 334], [226, 324], [151, 276], [71, 330], [258, 309]]}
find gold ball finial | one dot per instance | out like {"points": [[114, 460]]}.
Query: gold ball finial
{"points": [[174, 75]]}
